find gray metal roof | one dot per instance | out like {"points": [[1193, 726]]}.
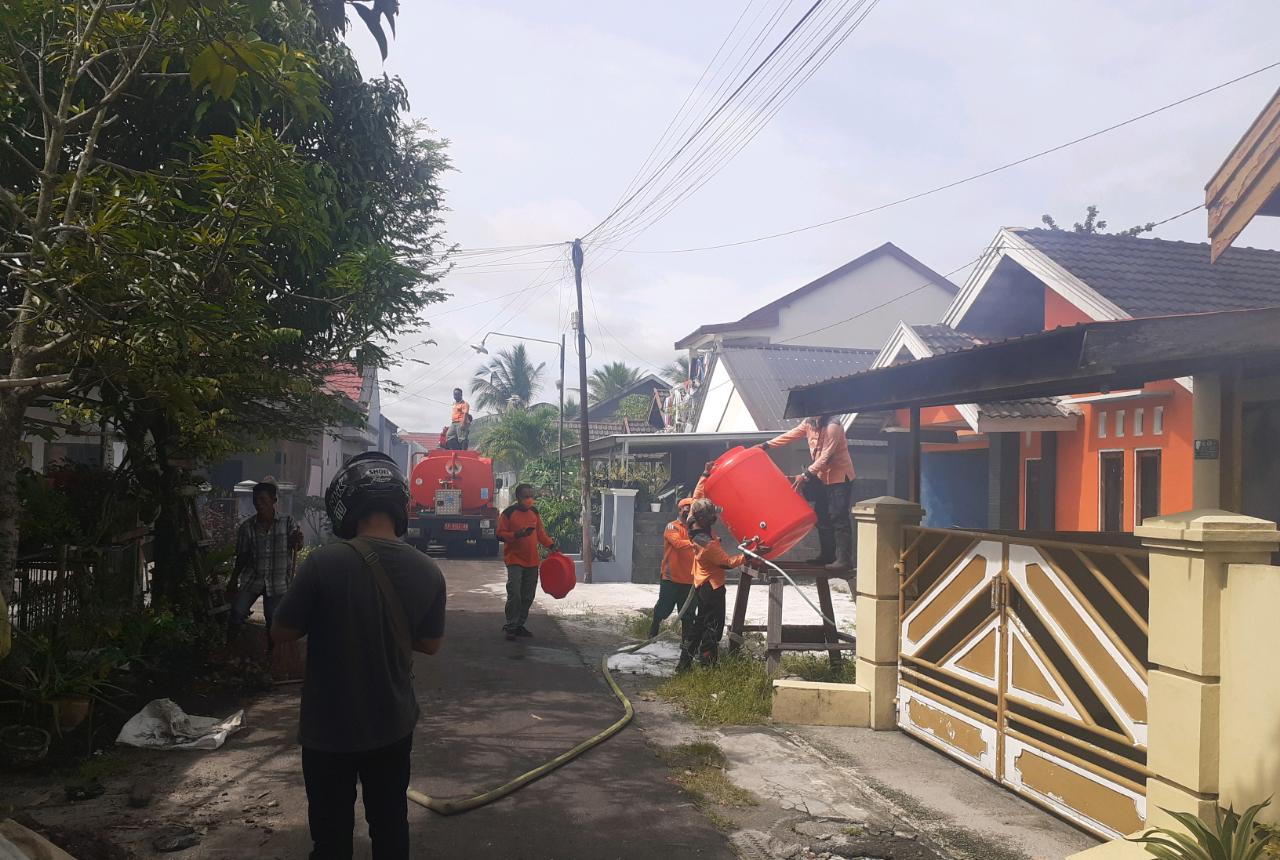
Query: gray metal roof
{"points": [[764, 374], [1155, 277]]}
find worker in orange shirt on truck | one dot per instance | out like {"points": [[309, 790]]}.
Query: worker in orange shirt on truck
{"points": [[520, 528], [702, 638], [459, 431], [828, 484], [677, 569]]}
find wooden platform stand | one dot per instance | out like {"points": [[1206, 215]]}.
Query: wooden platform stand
{"points": [[781, 637]]}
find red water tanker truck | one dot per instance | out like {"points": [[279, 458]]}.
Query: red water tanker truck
{"points": [[452, 495]]}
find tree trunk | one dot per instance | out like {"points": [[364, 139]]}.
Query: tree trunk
{"points": [[12, 409]]}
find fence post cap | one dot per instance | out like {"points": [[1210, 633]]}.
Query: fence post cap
{"points": [[1208, 525]]}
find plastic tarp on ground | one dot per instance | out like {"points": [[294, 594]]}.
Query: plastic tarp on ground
{"points": [[163, 725]]}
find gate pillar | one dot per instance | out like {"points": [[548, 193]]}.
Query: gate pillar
{"points": [[1190, 553], [880, 523]]}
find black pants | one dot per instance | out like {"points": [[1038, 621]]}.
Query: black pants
{"points": [[331, 797], [671, 598], [839, 520], [702, 637]]}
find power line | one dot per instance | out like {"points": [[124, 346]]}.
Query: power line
{"points": [[949, 185], [749, 116], [723, 105], [728, 140]]}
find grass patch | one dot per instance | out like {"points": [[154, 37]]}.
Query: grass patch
{"points": [[699, 768], [817, 667], [736, 692]]}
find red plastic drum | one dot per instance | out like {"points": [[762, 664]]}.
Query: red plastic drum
{"points": [[758, 501], [557, 575]]}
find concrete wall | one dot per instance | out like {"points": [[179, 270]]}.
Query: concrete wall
{"points": [[1249, 718]]}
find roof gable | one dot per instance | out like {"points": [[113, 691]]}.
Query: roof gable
{"points": [[763, 375], [768, 314], [607, 409], [1110, 277]]}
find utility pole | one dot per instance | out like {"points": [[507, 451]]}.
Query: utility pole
{"points": [[585, 436], [560, 432]]}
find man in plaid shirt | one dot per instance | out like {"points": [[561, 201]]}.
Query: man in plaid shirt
{"points": [[266, 544]]}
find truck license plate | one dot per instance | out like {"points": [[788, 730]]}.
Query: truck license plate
{"points": [[455, 527]]}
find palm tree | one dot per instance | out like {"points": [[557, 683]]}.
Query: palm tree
{"points": [[508, 377], [677, 371], [610, 380], [520, 435], [571, 409]]}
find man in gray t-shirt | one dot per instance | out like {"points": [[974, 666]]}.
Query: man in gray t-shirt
{"points": [[363, 606]]}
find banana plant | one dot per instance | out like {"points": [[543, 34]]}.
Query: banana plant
{"points": [[1231, 836]]}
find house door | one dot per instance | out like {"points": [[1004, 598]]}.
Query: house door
{"points": [[1017, 661], [1111, 491]]}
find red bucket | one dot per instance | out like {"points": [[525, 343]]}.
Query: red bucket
{"points": [[557, 575], [757, 500]]}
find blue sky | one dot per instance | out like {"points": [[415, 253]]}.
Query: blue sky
{"points": [[551, 107]]}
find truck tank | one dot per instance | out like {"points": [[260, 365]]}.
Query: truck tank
{"points": [[460, 470]]}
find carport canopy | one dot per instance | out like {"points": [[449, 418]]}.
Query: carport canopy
{"points": [[1082, 359]]}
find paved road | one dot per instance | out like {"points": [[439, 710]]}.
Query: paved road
{"points": [[492, 710], [495, 709]]}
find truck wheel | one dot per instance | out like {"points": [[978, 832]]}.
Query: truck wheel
{"points": [[488, 548]]}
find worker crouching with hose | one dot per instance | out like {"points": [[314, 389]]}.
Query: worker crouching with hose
{"points": [[702, 637]]}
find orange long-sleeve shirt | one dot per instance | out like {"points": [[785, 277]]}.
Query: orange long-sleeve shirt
{"points": [[827, 446], [711, 561], [677, 553], [460, 410], [522, 551]]}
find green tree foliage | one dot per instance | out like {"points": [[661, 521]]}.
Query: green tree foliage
{"points": [[678, 370], [1093, 224], [509, 376], [610, 380], [520, 435], [635, 407], [571, 409], [201, 211]]}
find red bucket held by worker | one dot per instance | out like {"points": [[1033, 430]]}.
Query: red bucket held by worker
{"points": [[557, 575], [757, 501]]}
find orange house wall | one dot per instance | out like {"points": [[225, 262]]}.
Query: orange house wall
{"points": [[1059, 312], [1077, 503]]}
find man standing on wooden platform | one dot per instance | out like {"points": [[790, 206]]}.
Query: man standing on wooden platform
{"points": [[828, 485]]}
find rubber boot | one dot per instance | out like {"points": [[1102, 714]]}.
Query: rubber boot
{"points": [[826, 547], [844, 554]]}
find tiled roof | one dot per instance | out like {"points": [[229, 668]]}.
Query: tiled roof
{"points": [[943, 338], [1155, 277], [763, 375], [428, 441], [345, 379], [1036, 407]]}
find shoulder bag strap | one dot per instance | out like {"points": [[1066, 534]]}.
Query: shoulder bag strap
{"points": [[393, 609]]}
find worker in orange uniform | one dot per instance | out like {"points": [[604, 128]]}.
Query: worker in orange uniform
{"points": [[677, 569], [702, 638], [828, 484], [520, 528], [459, 423]]}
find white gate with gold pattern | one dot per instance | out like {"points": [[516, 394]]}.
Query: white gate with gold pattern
{"points": [[1025, 659]]}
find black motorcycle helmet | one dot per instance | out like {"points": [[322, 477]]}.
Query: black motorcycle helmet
{"points": [[368, 482]]}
